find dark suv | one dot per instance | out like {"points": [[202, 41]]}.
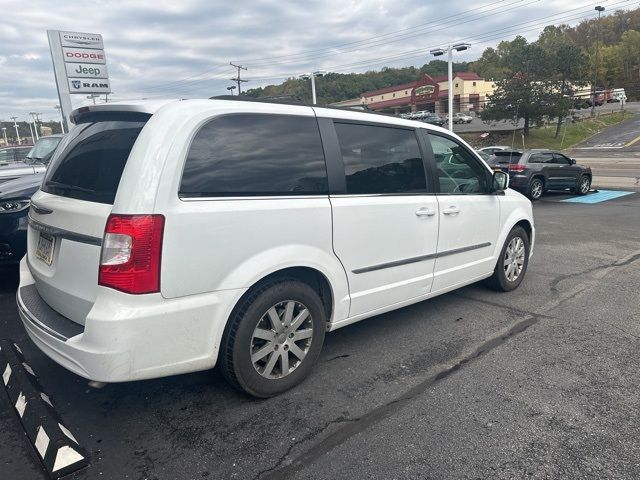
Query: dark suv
{"points": [[533, 172]]}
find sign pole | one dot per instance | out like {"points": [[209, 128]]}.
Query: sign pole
{"points": [[55, 46]]}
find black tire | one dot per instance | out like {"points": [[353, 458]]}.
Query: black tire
{"points": [[236, 345], [536, 189], [583, 186], [499, 281]]}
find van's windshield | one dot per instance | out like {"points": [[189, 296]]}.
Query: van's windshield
{"points": [[89, 163]]}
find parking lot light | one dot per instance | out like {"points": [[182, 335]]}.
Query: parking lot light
{"points": [[312, 76], [436, 52]]}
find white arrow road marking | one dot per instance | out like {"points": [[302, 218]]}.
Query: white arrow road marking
{"points": [[65, 457]]}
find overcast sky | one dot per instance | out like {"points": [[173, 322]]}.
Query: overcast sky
{"points": [[163, 48]]}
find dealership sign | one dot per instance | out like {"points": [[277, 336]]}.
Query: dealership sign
{"points": [[87, 85], [82, 70], [79, 65]]}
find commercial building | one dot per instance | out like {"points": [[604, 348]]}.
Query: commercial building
{"points": [[431, 94]]}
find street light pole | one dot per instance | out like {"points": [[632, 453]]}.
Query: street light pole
{"points": [[458, 47], [313, 76], [4, 134], [57, 107], [35, 125], [15, 125], [599, 9], [33, 140]]}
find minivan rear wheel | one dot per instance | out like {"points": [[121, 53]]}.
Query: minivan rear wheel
{"points": [[513, 261], [274, 338]]}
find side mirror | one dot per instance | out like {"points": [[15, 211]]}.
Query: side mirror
{"points": [[500, 181], [573, 161]]}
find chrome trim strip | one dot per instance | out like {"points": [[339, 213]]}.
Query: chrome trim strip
{"points": [[61, 233], [40, 210], [421, 258], [26, 314]]}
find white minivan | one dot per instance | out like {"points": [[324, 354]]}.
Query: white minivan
{"points": [[169, 237]]}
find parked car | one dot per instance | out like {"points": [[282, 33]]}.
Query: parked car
{"points": [[432, 118], [14, 206], [460, 117], [169, 237], [10, 155], [534, 172], [493, 149], [35, 161]]}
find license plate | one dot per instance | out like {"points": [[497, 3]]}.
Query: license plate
{"points": [[44, 250]]}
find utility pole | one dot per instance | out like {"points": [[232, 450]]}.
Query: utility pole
{"points": [[34, 116], [599, 9], [15, 125], [237, 79]]}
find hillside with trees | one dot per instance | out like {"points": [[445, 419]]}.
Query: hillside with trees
{"points": [[562, 55]]}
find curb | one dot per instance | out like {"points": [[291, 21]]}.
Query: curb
{"points": [[55, 445]]}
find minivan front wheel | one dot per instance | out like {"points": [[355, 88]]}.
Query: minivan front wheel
{"points": [[513, 261], [274, 338], [536, 189]]}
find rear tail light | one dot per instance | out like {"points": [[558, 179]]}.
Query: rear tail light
{"points": [[515, 167], [131, 253]]}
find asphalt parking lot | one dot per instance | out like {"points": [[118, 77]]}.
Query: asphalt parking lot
{"points": [[541, 382]]}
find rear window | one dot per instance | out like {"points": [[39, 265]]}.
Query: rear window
{"points": [[89, 164]]}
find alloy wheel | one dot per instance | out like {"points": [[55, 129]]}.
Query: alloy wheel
{"points": [[585, 184], [536, 189], [514, 257], [281, 339]]}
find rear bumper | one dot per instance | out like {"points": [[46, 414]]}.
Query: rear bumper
{"points": [[128, 337]]}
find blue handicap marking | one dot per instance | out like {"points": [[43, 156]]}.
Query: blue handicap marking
{"points": [[600, 196]]}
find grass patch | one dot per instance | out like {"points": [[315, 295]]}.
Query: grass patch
{"points": [[544, 137], [573, 133]]}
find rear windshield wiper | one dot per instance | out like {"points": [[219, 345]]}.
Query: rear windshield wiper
{"points": [[67, 186]]}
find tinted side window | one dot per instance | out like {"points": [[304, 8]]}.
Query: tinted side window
{"points": [[540, 158], [254, 154], [561, 159], [459, 171], [381, 159]]}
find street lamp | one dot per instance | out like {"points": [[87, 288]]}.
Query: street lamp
{"points": [[4, 134], [436, 52], [34, 115], [313, 76], [598, 9], [231, 89], [33, 140], [15, 125], [93, 97], [57, 107]]}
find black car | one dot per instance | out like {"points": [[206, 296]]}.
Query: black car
{"points": [[14, 206], [533, 172], [433, 119]]}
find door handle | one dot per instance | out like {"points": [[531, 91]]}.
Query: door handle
{"points": [[425, 212], [453, 210]]}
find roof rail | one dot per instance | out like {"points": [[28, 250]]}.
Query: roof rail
{"points": [[294, 100]]}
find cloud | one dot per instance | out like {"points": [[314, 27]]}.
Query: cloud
{"points": [[164, 48]]}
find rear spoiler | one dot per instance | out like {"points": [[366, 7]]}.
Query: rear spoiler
{"points": [[144, 107]]}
